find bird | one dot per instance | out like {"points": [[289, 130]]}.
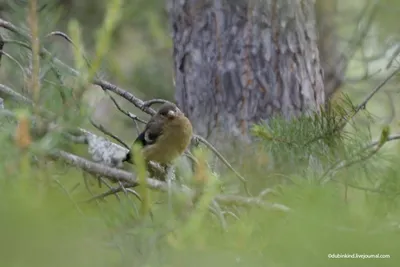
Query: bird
{"points": [[165, 137]]}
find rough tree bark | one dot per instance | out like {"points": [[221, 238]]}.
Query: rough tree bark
{"points": [[238, 62]]}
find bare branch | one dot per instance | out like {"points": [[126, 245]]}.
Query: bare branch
{"points": [[199, 139], [363, 104], [130, 115], [151, 102], [69, 195], [393, 57], [373, 92], [103, 130], [114, 191]]}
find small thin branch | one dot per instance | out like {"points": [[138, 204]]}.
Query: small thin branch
{"points": [[69, 40], [200, 139], [218, 212], [362, 188], [393, 137], [57, 73], [103, 130], [363, 104], [61, 34], [102, 180], [114, 191], [375, 145], [130, 115], [393, 57], [151, 102], [69, 195], [346, 163]]}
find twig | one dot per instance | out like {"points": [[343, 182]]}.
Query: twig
{"points": [[375, 145], [343, 122], [390, 138], [393, 57], [216, 152], [130, 115], [373, 92], [151, 102], [103, 130], [69, 195], [101, 180], [218, 212], [345, 163], [114, 191], [69, 40], [372, 190]]}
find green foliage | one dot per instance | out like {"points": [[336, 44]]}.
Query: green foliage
{"points": [[294, 143]]}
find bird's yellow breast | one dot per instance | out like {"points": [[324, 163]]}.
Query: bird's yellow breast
{"points": [[172, 143]]}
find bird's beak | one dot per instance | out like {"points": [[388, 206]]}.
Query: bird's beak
{"points": [[171, 114]]}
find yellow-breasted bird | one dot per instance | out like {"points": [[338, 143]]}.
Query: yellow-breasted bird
{"points": [[166, 135]]}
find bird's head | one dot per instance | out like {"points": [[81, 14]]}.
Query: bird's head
{"points": [[169, 111]]}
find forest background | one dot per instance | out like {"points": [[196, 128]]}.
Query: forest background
{"points": [[316, 191]]}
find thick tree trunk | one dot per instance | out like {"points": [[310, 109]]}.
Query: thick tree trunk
{"points": [[239, 62]]}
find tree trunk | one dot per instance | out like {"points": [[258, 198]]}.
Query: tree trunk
{"points": [[240, 62]]}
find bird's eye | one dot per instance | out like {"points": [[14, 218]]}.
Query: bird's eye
{"points": [[164, 112]]}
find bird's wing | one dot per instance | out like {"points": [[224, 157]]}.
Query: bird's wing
{"points": [[150, 134]]}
